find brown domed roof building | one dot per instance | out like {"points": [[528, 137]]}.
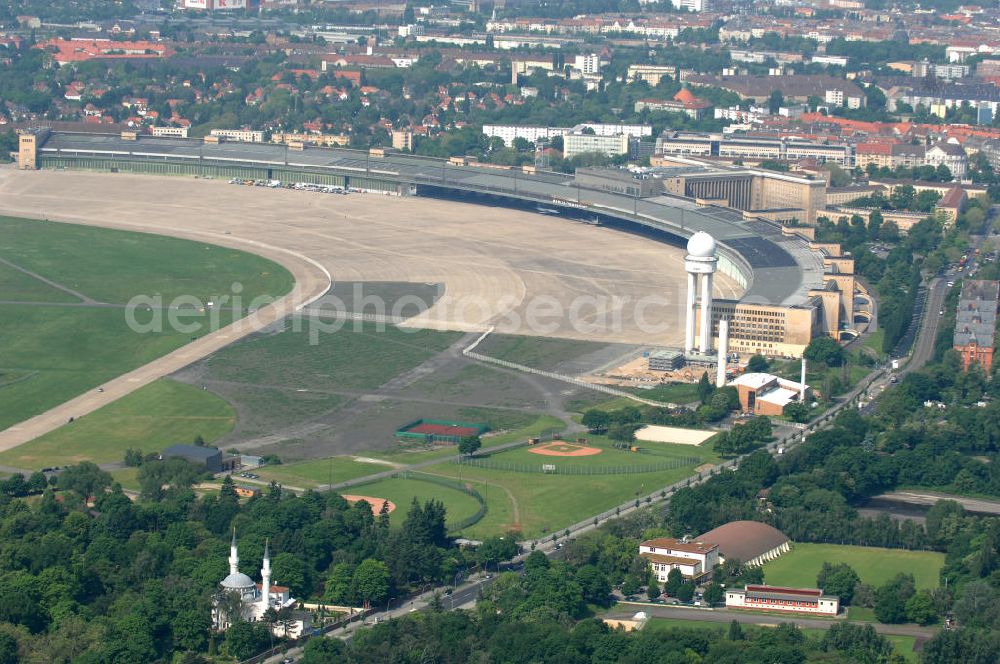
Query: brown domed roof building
{"points": [[751, 542]]}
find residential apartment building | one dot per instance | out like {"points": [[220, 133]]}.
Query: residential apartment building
{"points": [[610, 129], [975, 323], [696, 6], [402, 139], [531, 134], [576, 143], [940, 97], [889, 155], [651, 74], [588, 64], [947, 72], [948, 154]]}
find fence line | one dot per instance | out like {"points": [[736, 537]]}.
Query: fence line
{"points": [[470, 351], [489, 464]]}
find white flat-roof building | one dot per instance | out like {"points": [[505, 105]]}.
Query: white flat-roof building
{"points": [[241, 135], [608, 129], [531, 134], [177, 132], [574, 144]]}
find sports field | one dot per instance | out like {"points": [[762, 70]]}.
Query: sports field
{"points": [[654, 433], [151, 418], [800, 566], [540, 504], [597, 454], [62, 294]]}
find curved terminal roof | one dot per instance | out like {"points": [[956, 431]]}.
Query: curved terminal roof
{"points": [[744, 540], [779, 270]]}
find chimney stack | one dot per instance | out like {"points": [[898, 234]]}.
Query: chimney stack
{"points": [[802, 380], [720, 375]]}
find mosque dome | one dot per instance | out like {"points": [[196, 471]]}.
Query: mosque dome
{"points": [[701, 245], [238, 581]]}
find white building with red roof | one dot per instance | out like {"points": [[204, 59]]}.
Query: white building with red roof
{"points": [[789, 600], [694, 559]]}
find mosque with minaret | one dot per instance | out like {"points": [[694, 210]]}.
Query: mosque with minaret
{"points": [[255, 598]]}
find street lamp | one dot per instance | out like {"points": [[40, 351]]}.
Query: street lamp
{"points": [[387, 604]]}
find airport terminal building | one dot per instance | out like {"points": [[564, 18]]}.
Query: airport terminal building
{"points": [[793, 289]]}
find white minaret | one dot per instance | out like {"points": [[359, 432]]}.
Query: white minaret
{"points": [[720, 370], [700, 264], [234, 558], [265, 577]]}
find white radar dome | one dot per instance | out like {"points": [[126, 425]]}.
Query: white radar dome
{"points": [[701, 245]]}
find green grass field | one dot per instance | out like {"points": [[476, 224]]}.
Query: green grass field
{"points": [[680, 393], [345, 359], [903, 644], [875, 341], [309, 474], [17, 286], [151, 418], [548, 503], [117, 265], [875, 566], [544, 353], [128, 478], [52, 353], [402, 491]]}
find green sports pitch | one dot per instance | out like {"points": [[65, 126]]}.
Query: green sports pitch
{"points": [[799, 567]]}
